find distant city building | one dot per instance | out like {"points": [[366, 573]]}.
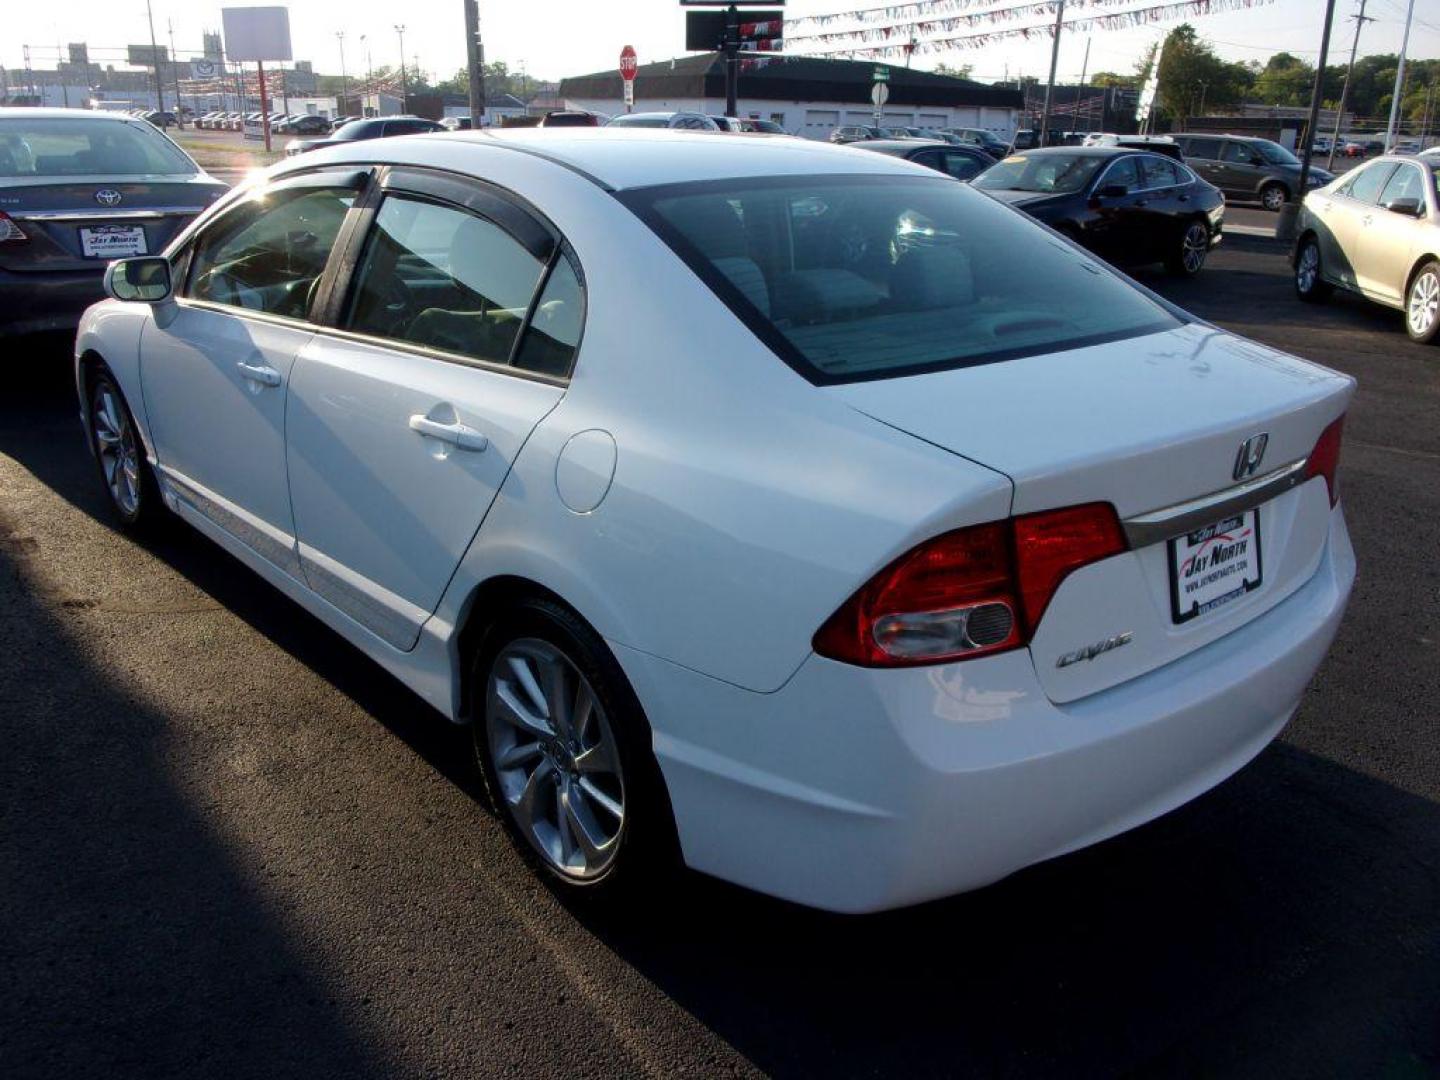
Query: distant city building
{"points": [[806, 96]]}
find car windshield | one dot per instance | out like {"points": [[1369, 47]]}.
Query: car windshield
{"points": [[1049, 173], [1275, 153], [865, 277], [81, 146]]}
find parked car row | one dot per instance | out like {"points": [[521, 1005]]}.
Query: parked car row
{"points": [[283, 123], [985, 140]]}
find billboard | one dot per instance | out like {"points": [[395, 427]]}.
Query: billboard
{"points": [[257, 33], [758, 30]]}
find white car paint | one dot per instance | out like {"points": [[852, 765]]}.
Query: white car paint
{"points": [[731, 506]]}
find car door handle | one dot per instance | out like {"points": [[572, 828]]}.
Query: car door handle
{"points": [[265, 376], [1184, 198], [456, 434]]}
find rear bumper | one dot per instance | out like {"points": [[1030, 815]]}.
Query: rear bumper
{"points": [[859, 790], [43, 301]]}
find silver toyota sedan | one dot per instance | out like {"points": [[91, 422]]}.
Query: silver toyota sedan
{"points": [[1376, 232], [77, 189]]}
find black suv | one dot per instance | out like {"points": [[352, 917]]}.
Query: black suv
{"points": [[1246, 167]]}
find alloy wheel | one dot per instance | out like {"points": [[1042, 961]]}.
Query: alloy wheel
{"points": [[1272, 198], [1193, 248], [1424, 306], [1308, 268], [555, 758], [116, 444]]}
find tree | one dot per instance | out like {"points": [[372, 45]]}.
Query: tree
{"points": [[1192, 77], [1110, 78], [1285, 80], [961, 71]]}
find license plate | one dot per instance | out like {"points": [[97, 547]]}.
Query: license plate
{"points": [[1212, 566], [113, 241]]}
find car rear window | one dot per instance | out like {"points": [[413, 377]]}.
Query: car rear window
{"points": [[80, 146], [863, 277]]}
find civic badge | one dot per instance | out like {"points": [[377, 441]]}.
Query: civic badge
{"points": [[1252, 451], [108, 197]]}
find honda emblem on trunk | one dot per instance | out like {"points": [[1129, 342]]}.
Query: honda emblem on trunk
{"points": [[108, 197], [1252, 450]]}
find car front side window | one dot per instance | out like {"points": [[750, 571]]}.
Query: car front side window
{"points": [[1405, 183], [1367, 183], [268, 253]]}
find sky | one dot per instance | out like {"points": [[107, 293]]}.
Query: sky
{"points": [[554, 38]]}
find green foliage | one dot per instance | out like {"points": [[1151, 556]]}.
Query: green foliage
{"points": [[1192, 76]]}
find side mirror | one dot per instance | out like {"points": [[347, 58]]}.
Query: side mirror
{"points": [[1408, 207], [145, 279], [1112, 191]]}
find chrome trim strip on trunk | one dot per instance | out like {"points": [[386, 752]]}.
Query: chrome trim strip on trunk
{"points": [[149, 214], [1157, 525]]}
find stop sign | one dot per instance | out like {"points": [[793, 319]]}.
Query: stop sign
{"points": [[628, 63]]}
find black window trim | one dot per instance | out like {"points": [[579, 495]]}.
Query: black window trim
{"points": [[640, 202], [475, 196]]}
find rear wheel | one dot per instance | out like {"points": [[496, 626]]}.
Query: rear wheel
{"points": [[1273, 196], [1194, 245], [565, 753], [1310, 285], [133, 494], [1422, 305]]}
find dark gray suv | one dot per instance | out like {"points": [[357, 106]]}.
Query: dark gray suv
{"points": [[1246, 167]]}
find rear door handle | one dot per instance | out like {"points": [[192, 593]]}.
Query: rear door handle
{"points": [[265, 376], [456, 434]]}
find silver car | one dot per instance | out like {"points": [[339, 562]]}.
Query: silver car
{"points": [[1376, 232], [77, 189]]}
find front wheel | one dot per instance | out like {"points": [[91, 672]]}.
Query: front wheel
{"points": [[1189, 257], [1310, 286], [134, 497], [566, 753], [1422, 305], [1273, 197]]}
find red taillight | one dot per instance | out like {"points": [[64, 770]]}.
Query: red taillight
{"points": [[8, 229], [1324, 460], [968, 593]]}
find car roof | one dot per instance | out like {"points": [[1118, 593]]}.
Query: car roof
{"points": [[888, 145], [1087, 151], [19, 112], [621, 157]]}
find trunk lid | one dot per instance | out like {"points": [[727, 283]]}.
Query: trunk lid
{"points": [[62, 219], [1144, 424]]}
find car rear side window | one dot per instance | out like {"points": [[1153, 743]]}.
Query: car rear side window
{"points": [[82, 146], [442, 277], [1203, 149], [864, 277], [268, 253], [962, 166]]}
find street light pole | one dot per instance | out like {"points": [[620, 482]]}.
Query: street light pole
{"points": [[404, 89], [1285, 228], [155, 62], [1399, 80], [369, 75], [344, 82], [1044, 133]]}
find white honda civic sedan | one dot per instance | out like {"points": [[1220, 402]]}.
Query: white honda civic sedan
{"points": [[783, 509]]}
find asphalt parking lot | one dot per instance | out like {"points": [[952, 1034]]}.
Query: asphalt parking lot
{"points": [[229, 845]]}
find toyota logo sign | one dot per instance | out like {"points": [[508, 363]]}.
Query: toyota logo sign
{"points": [[108, 197]]}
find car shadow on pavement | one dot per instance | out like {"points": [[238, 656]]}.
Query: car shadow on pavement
{"points": [[129, 939]]}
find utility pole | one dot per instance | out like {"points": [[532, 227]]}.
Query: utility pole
{"points": [[344, 82], [1201, 111], [475, 60], [1360, 20], [1085, 70], [175, 71], [732, 59], [155, 62], [404, 90], [369, 75], [1399, 79], [1290, 212], [1044, 133]]}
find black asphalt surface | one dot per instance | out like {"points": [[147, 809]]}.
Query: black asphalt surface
{"points": [[231, 846]]}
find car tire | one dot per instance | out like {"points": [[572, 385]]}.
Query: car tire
{"points": [[1422, 305], [1273, 197], [1310, 283], [576, 785], [119, 453], [1191, 249]]}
